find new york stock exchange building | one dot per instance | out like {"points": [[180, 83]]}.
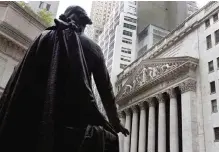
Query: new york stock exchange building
{"points": [[169, 96]]}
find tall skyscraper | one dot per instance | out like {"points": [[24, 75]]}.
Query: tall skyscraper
{"points": [[100, 12], [51, 6], [164, 15]]}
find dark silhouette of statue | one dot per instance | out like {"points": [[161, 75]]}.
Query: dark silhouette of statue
{"points": [[48, 104]]}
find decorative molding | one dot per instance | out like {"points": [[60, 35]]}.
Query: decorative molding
{"points": [[134, 109], [15, 34], [142, 105], [127, 112], [171, 93], [160, 98], [151, 102], [121, 114], [188, 85]]}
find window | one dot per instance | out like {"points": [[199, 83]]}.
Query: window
{"points": [[211, 66], [216, 34], [215, 17], [212, 87], [214, 106], [130, 19], [207, 23], [208, 40], [122, 66], [216, 133], [126, 50], [127, 60], [129, 26], [128, 41], [127, 33]]}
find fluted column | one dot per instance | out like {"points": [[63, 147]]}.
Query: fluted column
{"points": [[134, 136], [151, 126], [190, 124], [121, 136], [174, 138], [127, 126], [142, 128], [161, 124]]}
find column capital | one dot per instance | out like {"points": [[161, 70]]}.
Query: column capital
{"points": [[134, 109], [127, 112], [160, 98], [121, 114], [171, 93], [151, 102], [141, 105], [189, 85]]}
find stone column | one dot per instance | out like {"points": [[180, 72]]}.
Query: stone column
{"points": [[161, 124], [121, 136], [189, 116], [127, 126], [174, 138], [142, 128], [151, 126], [134, 136]]}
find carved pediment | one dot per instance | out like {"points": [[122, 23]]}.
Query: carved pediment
{"points": [[151, 70]]}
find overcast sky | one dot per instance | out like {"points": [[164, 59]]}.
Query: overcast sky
{"points": [[86, 4]]}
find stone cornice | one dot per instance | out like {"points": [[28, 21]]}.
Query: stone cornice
{"points": [[17, 37], [188, 84], [27, 13], [173, 37]]}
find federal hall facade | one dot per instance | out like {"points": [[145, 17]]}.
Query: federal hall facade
{"points": [[168, 97]]}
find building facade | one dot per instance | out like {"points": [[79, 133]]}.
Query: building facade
{"points": [[100, 12], [156, 19], [18, 28], [168, 98], [51, 6], [165, 14]]}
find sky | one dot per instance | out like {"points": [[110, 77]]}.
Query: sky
{"points": [[86, 4]]}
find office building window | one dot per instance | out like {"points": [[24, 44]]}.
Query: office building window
{"points": [[127, 60], [216, 34], [216, 133], [212, 87], [129, 26], [214, 106], [128, 41], [208, 40], [124, 50], [127, 33], [211, 66], [129, 19], [122, 66], [215, 17], [207, 23]]}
